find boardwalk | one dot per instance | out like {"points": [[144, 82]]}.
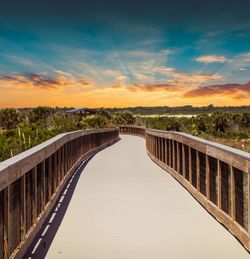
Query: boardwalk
{"points": [[124, 206]]}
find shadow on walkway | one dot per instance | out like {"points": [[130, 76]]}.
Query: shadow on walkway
{"points": [[45, 236]]}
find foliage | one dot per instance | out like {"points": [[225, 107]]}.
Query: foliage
{"points": [[23, 130], [164, 123], [94, 122], [40, 114], [220, 121], [218, 125], [10, 118], [63, 122], [187, 109], [245, 120], [202, 122], [123, 118], [105, 113]]}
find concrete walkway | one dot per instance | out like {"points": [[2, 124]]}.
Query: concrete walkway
{"points": [[125, 206]]}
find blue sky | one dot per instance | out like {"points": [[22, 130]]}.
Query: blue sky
{"points": [[97, 52]]}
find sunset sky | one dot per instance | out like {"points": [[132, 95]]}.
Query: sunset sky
{"points": [[124, 53]]}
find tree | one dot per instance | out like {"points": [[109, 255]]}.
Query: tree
{"points": [[172, 124], [123, 118], [40, 114], [202, 122], [245, 120], [220, 121], [105, 113], [10, 118], [95, 122]]}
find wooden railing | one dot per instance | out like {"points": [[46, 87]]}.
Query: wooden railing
{"points": [[139, 131], [31, 182], [216, 175]]}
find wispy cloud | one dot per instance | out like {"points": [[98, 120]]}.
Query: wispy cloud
{"points": [[246, 57], [154, 87], [174, 81], [20, 60], [187, 79], [234, 90], [43, 81], [211, 59]]}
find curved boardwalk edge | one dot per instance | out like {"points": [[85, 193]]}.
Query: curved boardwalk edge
{"points": [[31, 183], [217, 176]]}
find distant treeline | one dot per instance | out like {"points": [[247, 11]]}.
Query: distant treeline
{"points": [[160, 110], [188, 109]]}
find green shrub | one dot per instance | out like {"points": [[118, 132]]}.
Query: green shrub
{"points": [[10, 118], [123, 118], [95, 122]]}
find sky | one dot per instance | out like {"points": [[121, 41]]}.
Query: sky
{"points": [[124, 53]]}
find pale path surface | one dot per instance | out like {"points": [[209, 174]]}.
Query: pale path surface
{"points": [[125, 206]]}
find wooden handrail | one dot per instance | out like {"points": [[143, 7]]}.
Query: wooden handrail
{"points": [[30, 184], [216, 175]]}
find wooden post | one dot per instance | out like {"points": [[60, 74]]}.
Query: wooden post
{"points": [[170, 153], [159, 148], [71, 153], [67, 158], [55, 171], [60, 165], [150, 143], [190, 165], [63, 169], [6, 194], [43, 185], [207, 178], [50, 177], [23, 207], [156, 151], [34, 195], [183, 161], [162, 149], [166, 150], [147, 142], [154, 146], [219, 184], [173, 154], [178, 157], [233, 205], [198, 170]]}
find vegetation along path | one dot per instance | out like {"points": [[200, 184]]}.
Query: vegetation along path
{"points": [[122, 205]]}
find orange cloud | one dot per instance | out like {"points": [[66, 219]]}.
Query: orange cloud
{"points": [[187, 79], [154, 87], [43, 81], [117, 86], [211, 59], [194, 79], [234, 90], [178, 82]]}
